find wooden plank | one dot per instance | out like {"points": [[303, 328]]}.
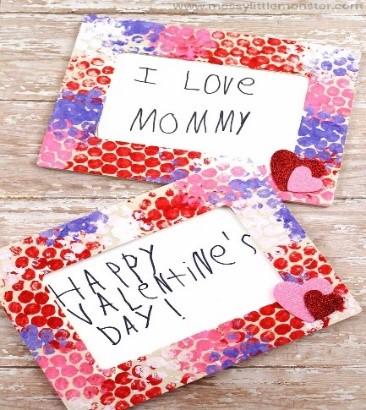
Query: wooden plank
{"points": [[339, 231], [27, 389], [283, 7], [33, 62], [347, 336], [23, 126], [234, 389]]}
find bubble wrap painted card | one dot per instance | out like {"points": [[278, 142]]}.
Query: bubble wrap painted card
{"points": [[123, 305], [151, 101]]}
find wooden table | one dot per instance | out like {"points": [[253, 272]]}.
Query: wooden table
{"points": [[325, 371]]}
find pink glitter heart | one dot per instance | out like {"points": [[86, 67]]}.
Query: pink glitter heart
{"points": [[302, 181], [291, 296]]}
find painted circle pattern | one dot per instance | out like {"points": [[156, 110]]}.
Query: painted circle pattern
{"points": [[64, 358], [71, 143]]}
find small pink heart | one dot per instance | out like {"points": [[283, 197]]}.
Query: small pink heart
{"points": [[290, 296], [301, 180]]}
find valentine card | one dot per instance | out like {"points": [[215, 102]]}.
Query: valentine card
{"points": [[151, 101], [123, 305]]}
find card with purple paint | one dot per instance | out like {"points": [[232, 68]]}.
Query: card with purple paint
{"points": [[152, 101], [122, 305]]}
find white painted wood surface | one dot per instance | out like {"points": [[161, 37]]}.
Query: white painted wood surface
{"points": [[324, 371]]}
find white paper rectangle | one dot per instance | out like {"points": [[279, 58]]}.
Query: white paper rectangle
{"points": [[218, 110], [223, 277]]}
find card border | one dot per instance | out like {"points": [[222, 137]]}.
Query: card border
{"points": [[62, 355], [70, 142]]}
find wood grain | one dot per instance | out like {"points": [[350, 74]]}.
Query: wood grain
{"points": [[339, 230], [240, 388], [238, 7], [234, 389], [324, 371], [50, 54]]}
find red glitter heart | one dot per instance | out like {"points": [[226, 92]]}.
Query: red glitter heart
{"points": [[283, 162], [320, 305]]}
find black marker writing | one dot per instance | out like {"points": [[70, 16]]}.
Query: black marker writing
{"points": [[126, 292], [147, 72]]}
